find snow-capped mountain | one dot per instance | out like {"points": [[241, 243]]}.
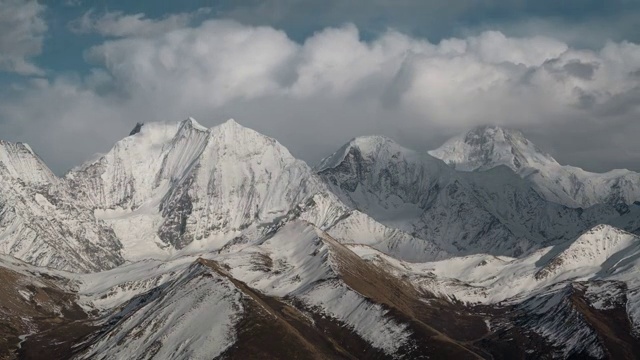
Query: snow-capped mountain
{"points": [[493, 212], [487, 147], [188, 242], [184, 184]]}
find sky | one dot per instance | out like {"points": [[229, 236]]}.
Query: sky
{"points": [[76, 75]]}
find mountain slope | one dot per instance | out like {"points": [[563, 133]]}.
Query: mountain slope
{"points": [[296, 292], [486, 147]]}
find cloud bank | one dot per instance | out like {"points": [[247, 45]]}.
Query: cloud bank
{"points": [[314, 95]]}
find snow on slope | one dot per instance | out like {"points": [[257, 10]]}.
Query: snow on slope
{"points": [[486, 147], [193, 317], [18, 161], [603, 247], [174, 193], [552, 315], [182, 309], [296, 262], [359, 228], [602, 253], [572, 295], [41, 223]]}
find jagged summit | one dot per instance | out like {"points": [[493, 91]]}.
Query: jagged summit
{"points": [[485, 147], [193, 123]]}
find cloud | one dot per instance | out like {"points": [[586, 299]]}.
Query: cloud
{"points": [[22, 27], [119, 24], [314, 95], [579, 22]]}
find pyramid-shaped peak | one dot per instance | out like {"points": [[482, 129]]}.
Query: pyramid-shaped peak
{"points": [[233, 127], [231, 122], [229, 125]]}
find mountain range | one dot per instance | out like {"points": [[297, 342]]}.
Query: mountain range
{"points": [[187, 242]]}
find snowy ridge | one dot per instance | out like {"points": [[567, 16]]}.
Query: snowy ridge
{"points": [[603, 248], [192, 317]]}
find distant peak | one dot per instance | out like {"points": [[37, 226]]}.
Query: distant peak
{"points": [[488, 146], [370, 141], [367, 146]]}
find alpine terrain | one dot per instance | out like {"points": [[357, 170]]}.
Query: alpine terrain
{"points": [[187, 242]]}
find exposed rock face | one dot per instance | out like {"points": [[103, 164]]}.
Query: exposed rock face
{"points": [[136, 129]]}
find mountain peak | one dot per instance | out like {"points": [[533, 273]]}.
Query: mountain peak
{"points": [[488, 146], [370, 145], [230, 123], [192, 123]]}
